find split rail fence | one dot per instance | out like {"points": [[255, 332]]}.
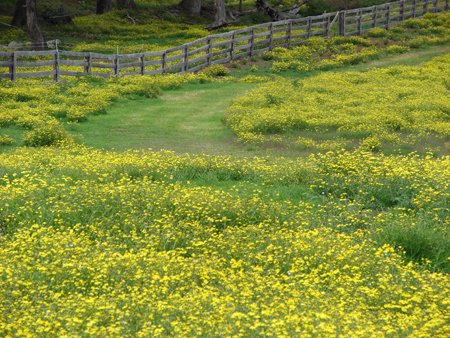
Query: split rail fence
{"points": [[219, 48]]}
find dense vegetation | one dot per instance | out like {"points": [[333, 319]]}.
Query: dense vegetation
{"points": [[346, 234]]}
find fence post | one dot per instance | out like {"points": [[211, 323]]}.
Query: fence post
{"points": [[185, 66], [435, 6], [142, 65], [12, 68], [88, 66], [270, 43], [402, 11], [288, 35], [359, 22], [163, 62], [209, 51], [326, 26], [56, 66], [308, 28], [374, 16], [425, 7], [388, 16], [342, 23], [231, 46], [252, 40], [115, 70], [414, 9], [446, 5]]}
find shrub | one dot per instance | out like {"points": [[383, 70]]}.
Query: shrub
{"points": [[215, 70], [5, 140], [377, 33], [47, 134]]}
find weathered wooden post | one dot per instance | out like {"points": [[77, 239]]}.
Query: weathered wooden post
{"points": [[56, 65], [252, 41], [231, 45], [209, 51], [342, 23], [359, 15], [13, 67], [288, 34], [402, 11], [185, 66], [308, 28], [163, 61], [387, 16], [142, 64], [326, 25], [270, 29], [374, 16], [414, 9], [87, 67]]}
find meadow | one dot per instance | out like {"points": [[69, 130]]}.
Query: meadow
{"points": [[300, 193]]}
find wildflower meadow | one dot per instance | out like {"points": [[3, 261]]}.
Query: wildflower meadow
{"points": [[330, 218]]}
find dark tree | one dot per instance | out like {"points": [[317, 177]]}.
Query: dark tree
{"points": [[34, 28], [191, 6], [103, 6], [20, 14], [126, 4], [221, 14]]}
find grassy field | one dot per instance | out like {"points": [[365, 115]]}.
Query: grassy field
{"points": [[301, 193]]}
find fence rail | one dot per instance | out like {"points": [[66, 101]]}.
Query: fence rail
{"points": [[221, 48]]}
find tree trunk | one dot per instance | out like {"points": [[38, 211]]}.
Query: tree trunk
{"points": [[221, 14], [34, 28], [191, 6], [20, 14], [103, 6], [126, 4]]}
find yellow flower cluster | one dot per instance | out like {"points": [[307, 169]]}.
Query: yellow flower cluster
{"points": [[394, 104], [123, 245]]}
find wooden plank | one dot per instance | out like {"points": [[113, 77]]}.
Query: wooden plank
{"points": [[35, 64], [174, 49], [227, 59], [174, 58], [220, 44], [153, 72], [102, 56], [102, 65], [279, 30], [298, 36], [6, 54], [74, 63], [130, 56], [36, 74], [6, 64], [5, 76], [197, 42], [314, 33], [223, 35], [257, 36], [198, 59], [67, 73], [152, 63], [75, 54], [225, 51], [130, 64], [279, 38], [198, 50], [129, 74], [36, 53], [261, 42], [241, 55], [197, 68]]}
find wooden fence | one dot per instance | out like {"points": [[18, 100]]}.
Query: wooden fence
{"points": [[220, 48]]}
